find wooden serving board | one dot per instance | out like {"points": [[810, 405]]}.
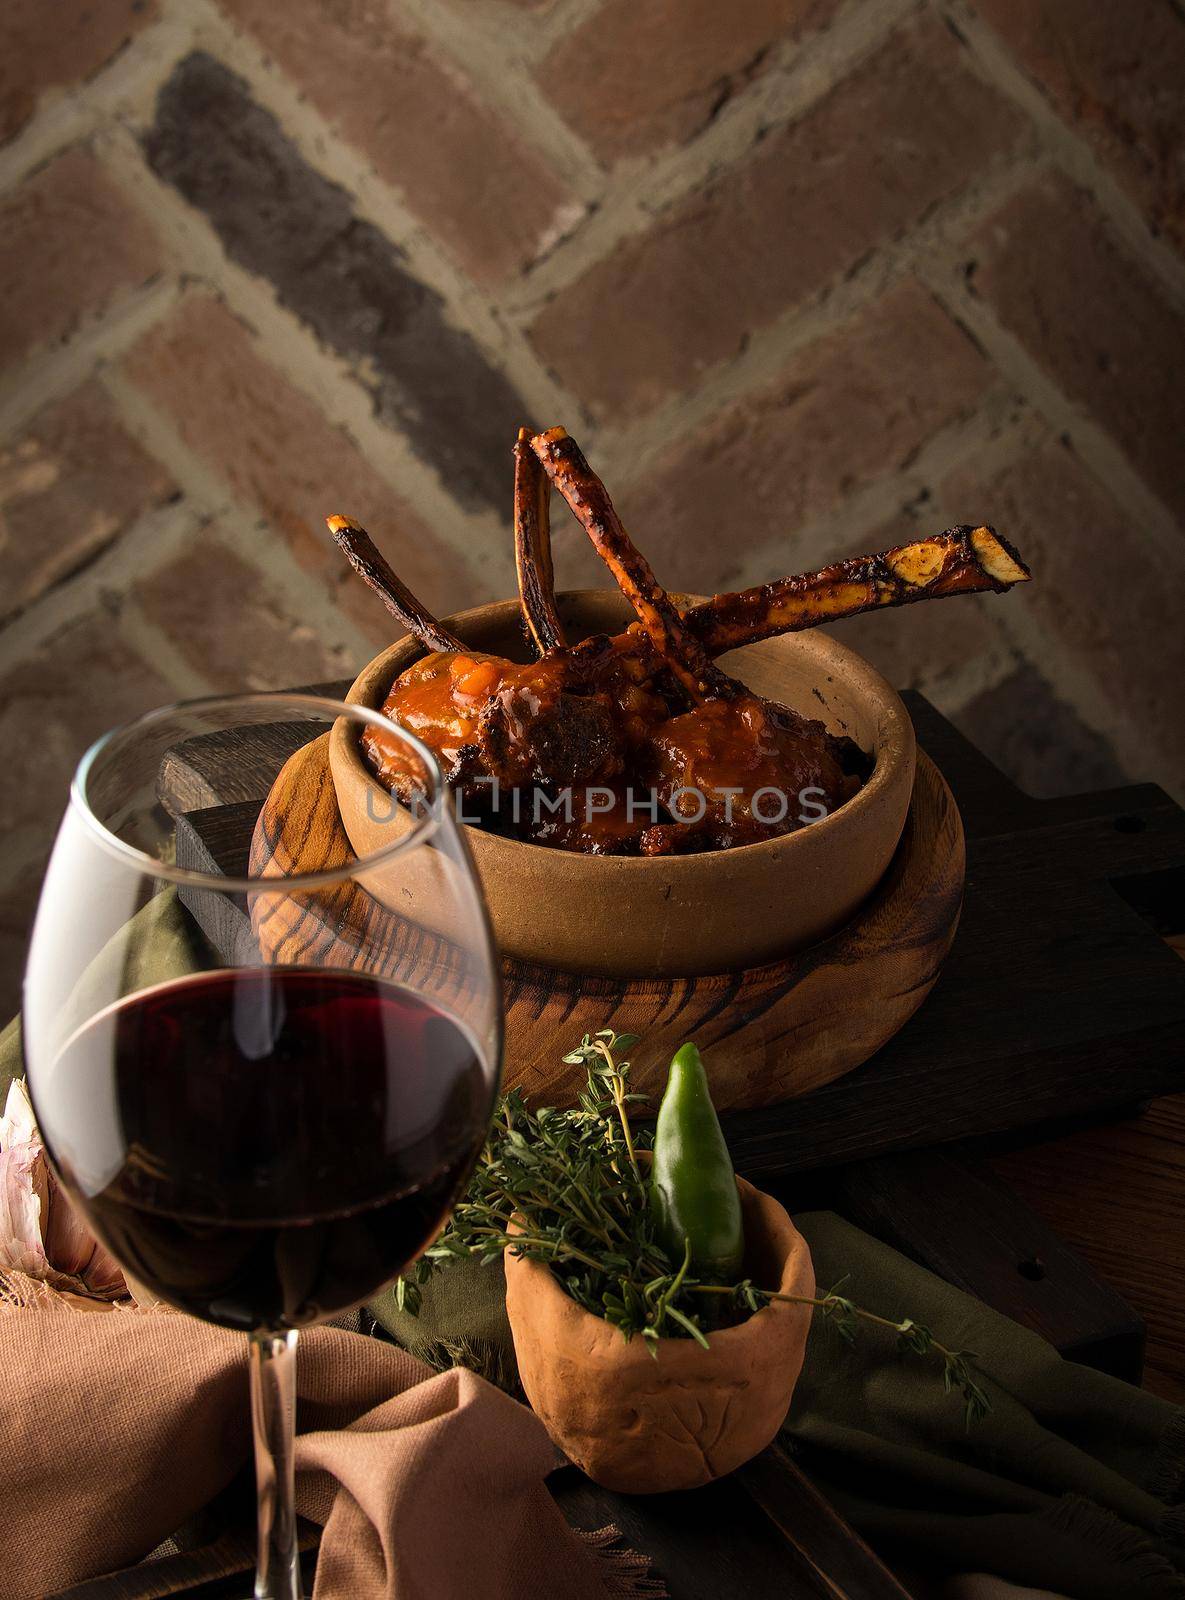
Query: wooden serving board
{"points": [[934, 1208], [774, 1031], [1059, 999]]}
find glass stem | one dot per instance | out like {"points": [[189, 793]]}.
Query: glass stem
{"points": [[272, 1358]]}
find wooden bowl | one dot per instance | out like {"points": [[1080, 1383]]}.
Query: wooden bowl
{"points": [[770, 1032], [674, 916]]}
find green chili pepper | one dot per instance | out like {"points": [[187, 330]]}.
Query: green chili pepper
{"points": [[693, 1188]]}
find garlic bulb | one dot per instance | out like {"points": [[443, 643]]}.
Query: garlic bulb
{"points": [[41, 1235]]}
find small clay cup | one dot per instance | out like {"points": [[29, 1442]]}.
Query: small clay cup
{"points": [[643, 1425]]}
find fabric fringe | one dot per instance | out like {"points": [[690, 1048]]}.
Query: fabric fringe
{"points": [[627, 1575], [19, 1292], [1171, 1526], [1167, 1478], [1121, 1544]]}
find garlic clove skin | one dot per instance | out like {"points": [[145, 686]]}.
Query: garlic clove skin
{"points": [[41, 1234], [23, 1190]]}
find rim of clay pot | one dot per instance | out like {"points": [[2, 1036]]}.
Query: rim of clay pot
{"points": [[723, 1341]]}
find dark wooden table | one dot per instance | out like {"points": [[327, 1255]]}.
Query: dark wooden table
{"points": [[1065, 994]]}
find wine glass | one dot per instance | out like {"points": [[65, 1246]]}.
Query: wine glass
{"points": [[263, 1068]]}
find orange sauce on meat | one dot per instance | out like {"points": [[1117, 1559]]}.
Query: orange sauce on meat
{"points": [[761, 769], [439, 698], [740, 755]]}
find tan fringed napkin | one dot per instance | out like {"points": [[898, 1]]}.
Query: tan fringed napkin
{"points": [[118, 1425]]}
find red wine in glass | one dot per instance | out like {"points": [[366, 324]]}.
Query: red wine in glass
{"points": [[274, 1133], [265, 1147]]}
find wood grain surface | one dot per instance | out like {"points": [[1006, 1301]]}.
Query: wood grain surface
{"points": [[1077, 945], [1117, 1195], [1060, 998], [969, 1228], [779, 1030]]}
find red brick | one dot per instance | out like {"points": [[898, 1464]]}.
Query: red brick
{"points": [[486, 195], [634, 77], [848, 410], [278, 452], [1099, 589], [338, 272], [1115, 73], [18, 903], [814, 198], [45, 46], [54, 703], [71, 245], [68, 485], [1087, 312], [230, 623]]}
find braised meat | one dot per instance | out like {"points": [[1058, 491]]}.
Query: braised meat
{"points": [[533, 731], [737, 771], [640, 743]]}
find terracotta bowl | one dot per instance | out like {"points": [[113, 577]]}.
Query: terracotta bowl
{"points": [[643, 1425], [721, 911]]}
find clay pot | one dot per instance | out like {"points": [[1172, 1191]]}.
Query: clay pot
{"points": [[721, 911], [644, 1425]]}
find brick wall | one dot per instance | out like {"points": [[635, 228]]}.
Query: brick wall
{"points": [[805, 276]]}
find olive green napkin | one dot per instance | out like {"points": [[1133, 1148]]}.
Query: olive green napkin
{"points": [[160, 942], [1070, 1484], [1073, 1482]]}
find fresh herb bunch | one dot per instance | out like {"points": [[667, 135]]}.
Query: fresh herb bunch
{"points": [[565, 1188]]}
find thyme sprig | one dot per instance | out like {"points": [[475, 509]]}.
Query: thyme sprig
{"points": [[566, 1188]]}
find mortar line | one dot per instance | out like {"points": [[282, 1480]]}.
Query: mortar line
{"points": [[127, 90], [266, 549], [50, 131], [154, 645], [469, 307], [485, 51], [73, 114], [1062, 668], [525, 36], [1119, 475], [1065, 667], [215, 502], [994, 451], [50, 374], [286, 343], [631, 448], [800, 77], [1071, 152], [994, 448], [154, 537], [845, 528]]}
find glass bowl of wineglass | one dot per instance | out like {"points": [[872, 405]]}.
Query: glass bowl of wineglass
{"points": [[262, 1086]]}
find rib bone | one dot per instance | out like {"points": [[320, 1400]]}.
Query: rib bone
{"points": [[963, 560], [373, 568], [532, 547], [681, 651]]}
